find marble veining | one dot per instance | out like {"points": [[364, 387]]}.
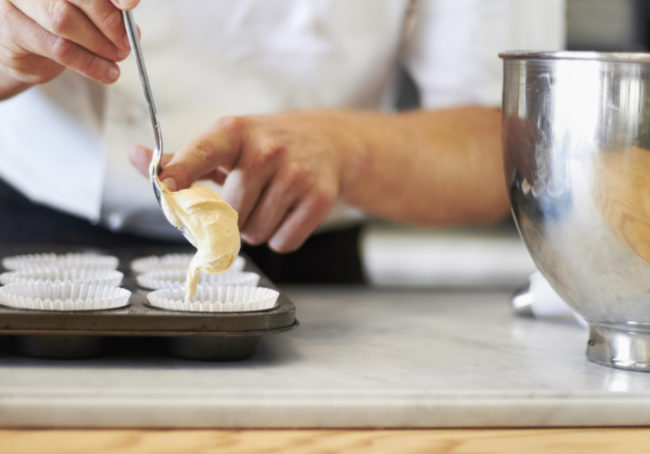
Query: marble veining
{"points": [[360, 358]]}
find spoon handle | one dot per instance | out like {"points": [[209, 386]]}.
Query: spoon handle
{"points": [[134, 40]]}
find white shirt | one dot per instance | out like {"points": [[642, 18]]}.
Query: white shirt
{"points": [[65, 143]]}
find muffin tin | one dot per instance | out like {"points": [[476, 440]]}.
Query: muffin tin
{"points": [[191, 335]]}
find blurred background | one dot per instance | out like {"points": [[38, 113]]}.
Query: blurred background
{"points": [[491, 257], [608, 25]]}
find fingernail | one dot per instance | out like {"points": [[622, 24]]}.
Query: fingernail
{"points": [[126, 43], [170, 183], [113, 73]]}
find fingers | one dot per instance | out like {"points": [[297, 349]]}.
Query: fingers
{"points": [[73, 56], [63, 18], [108, 20], [242, 191], [218, 148], [261, 167], [87, 36], [301, 221], [268, 212], [282, 186], [27, 38], [140, 158]]}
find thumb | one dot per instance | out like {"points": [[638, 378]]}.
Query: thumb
{"points": [[217, 148]]}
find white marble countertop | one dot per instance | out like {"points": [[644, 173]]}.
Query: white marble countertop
{"points": [[361, 358]]}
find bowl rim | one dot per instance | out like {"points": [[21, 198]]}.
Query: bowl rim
{"points": [[627, 57]]}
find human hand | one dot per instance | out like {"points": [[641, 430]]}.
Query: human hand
{"points": [[40, 38], [282, 173]]}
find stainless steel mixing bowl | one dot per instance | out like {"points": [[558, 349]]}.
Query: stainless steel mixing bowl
{"points": [[576, 143]]}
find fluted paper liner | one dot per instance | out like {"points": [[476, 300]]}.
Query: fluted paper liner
{"points": [[100, 276], [172, 278], [63, 296], [174, 262], [215, 299], [70, 260]]}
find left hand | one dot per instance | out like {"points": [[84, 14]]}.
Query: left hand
{"points": [[282, 173]]}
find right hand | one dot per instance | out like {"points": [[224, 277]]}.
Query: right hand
{"points": [[40, 38]]}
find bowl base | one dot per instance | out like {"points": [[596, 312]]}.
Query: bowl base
{"points": [[623, 346]]}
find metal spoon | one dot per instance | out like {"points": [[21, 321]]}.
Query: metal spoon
{"points": [[154, 166]]}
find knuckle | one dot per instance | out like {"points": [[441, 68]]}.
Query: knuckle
{"points": [[231, 123], [266, 154], [62, 50], [111, 21], [256, 162], [275, 150], [202, 151], [91, 65], [298, 177], [323, 200], [60, 15]]}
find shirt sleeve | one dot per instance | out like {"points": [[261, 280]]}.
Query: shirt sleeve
{"points": [[451, 51]]}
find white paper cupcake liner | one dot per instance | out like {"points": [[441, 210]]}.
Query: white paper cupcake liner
{"points": [[63, 296], [172, 278], [154, 262], [215, 299], [174, 262], [99, 276], [70, 260]]}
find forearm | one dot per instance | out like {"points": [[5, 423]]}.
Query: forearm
{"points": [[284, 172], [437, 167]]}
